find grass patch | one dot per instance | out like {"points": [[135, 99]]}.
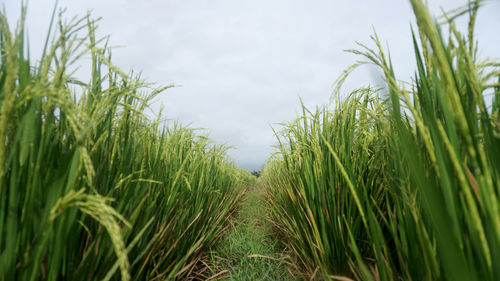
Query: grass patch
{"points": [[249, 251]]}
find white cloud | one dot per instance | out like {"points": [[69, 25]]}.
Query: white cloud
{"points": [[243, 64]]}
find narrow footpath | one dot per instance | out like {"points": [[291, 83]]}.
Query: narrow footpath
{"points": [[249, 252]]}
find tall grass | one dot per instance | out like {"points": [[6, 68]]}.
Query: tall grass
{"points": [[331, 162], [405, 187], [90, 187]]}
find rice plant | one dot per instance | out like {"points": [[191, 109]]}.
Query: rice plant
{"points": [[399, 184], [91, 188], [331, 163]]}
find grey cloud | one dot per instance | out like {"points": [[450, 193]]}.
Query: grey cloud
{"points": [[243, 64]]}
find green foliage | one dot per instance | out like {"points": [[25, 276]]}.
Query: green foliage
{"points": [[89, 185], [249, 251], [331, 164], [406, 188]]}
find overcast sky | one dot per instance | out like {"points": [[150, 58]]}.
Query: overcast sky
{"points": [[244, 64]]}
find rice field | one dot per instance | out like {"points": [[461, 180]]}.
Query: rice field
{"points": [[399, 182], [92, 188]]}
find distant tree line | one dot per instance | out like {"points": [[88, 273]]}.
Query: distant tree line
{"points": [[256, 173]]}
